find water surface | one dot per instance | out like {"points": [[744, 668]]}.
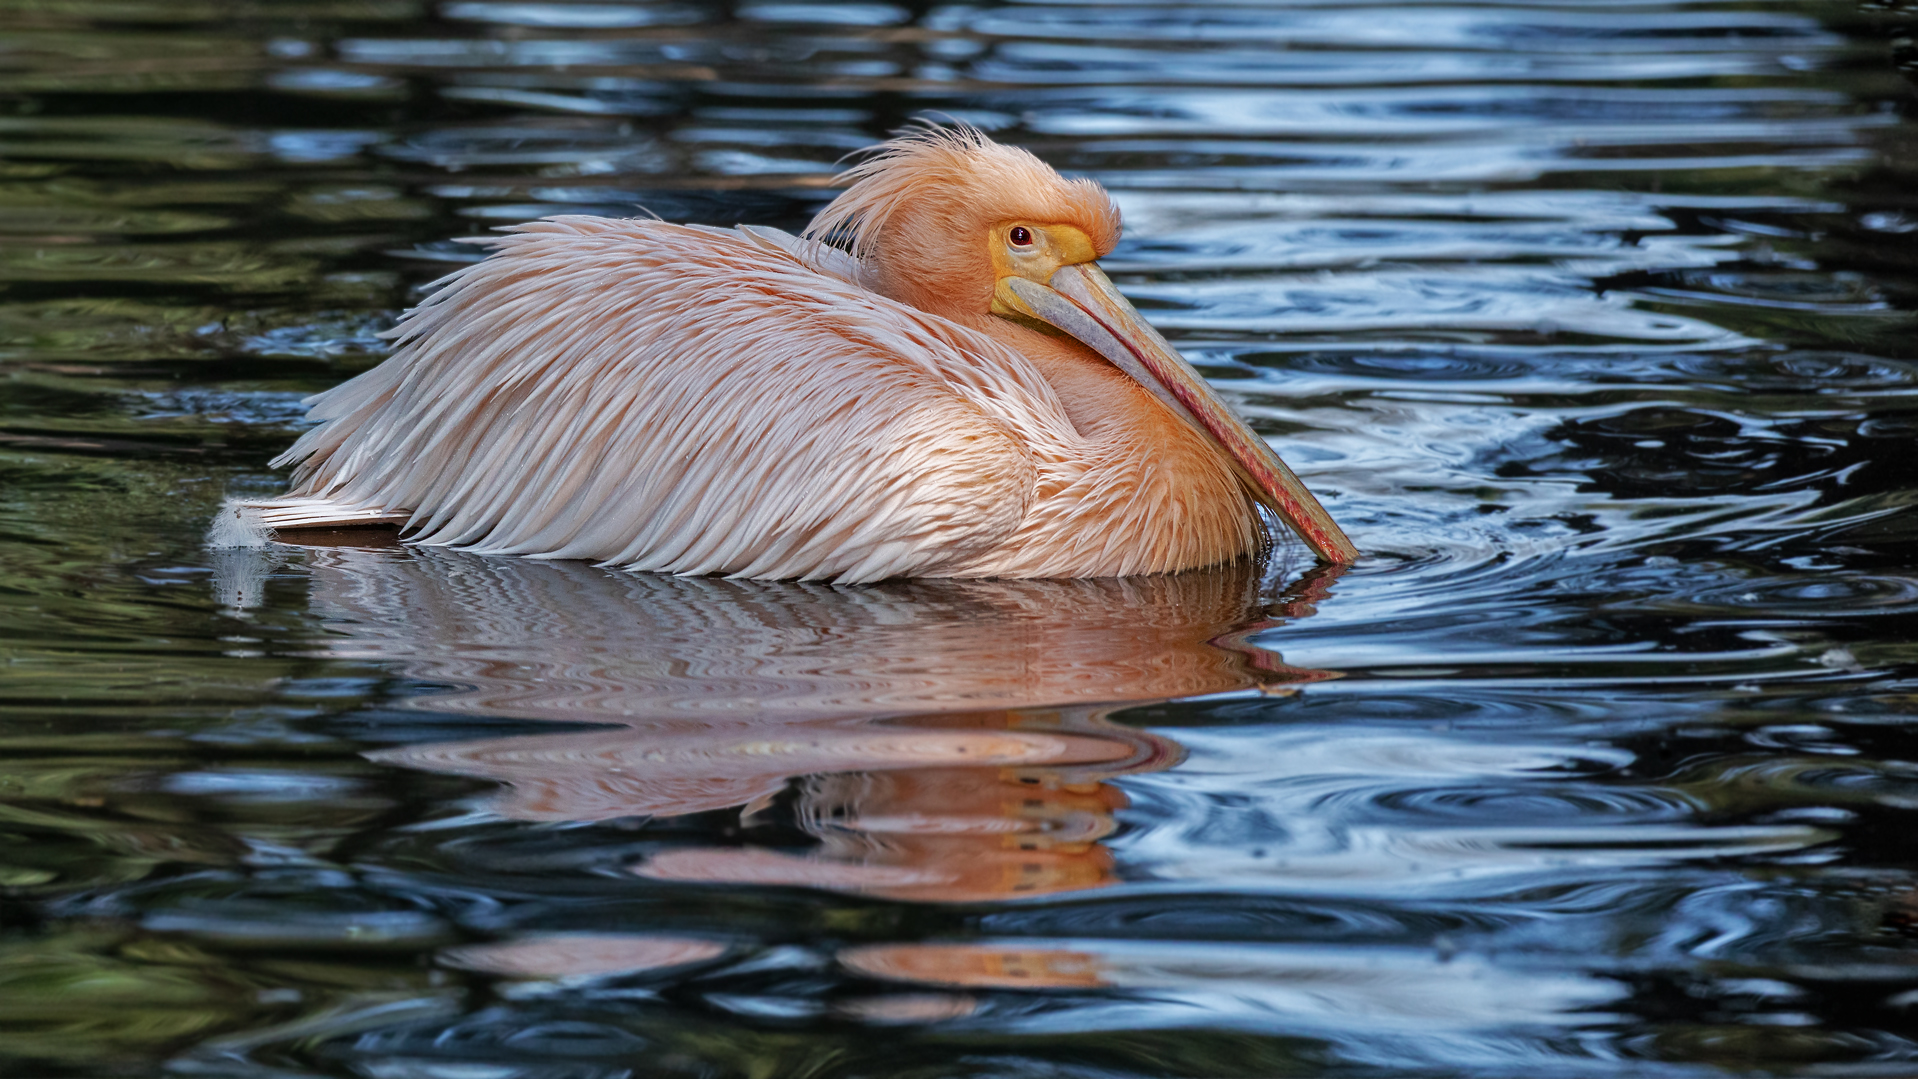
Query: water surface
{"points": [[1592, 321]]}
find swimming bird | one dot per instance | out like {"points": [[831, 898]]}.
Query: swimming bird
{"points": [[934, 380]]}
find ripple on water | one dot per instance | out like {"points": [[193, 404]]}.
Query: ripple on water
{"points": [[1824, 781], [289, 914], [1824, 597], [1589, 804], [582, 955], [1394, 365], [1358, 812]]}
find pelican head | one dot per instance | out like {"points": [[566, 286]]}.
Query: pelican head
{"points": [[950, 222]]}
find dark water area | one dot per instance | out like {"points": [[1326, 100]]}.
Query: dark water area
{"points": [[1592, 320]]}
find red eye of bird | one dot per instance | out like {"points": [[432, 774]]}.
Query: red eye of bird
{"points": [[1020, 236]]}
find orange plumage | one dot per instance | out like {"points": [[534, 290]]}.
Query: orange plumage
{"points": [[745, 402]]}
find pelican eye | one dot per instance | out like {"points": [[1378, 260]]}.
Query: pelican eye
{"points": [[1020, 236]]}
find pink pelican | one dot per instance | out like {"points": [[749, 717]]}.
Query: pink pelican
{"points": [[955, 390]]}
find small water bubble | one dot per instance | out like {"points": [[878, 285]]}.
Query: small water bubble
{"points": [[1840, 659], [1889, 222]]}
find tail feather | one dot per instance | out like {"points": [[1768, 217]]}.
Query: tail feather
{"points": [[301, 513]]}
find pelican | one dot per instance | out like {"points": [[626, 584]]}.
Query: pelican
{"points": [[934, 380]]}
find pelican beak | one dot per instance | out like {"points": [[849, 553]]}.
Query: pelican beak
{"points": [[1081, 301]]}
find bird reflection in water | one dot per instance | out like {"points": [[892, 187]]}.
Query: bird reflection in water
{"points": [[942, 740]]}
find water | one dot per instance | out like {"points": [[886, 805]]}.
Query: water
{"points": [[1592, 321]]}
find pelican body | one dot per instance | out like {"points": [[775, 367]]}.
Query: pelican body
{"points": [[934, 380]]}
